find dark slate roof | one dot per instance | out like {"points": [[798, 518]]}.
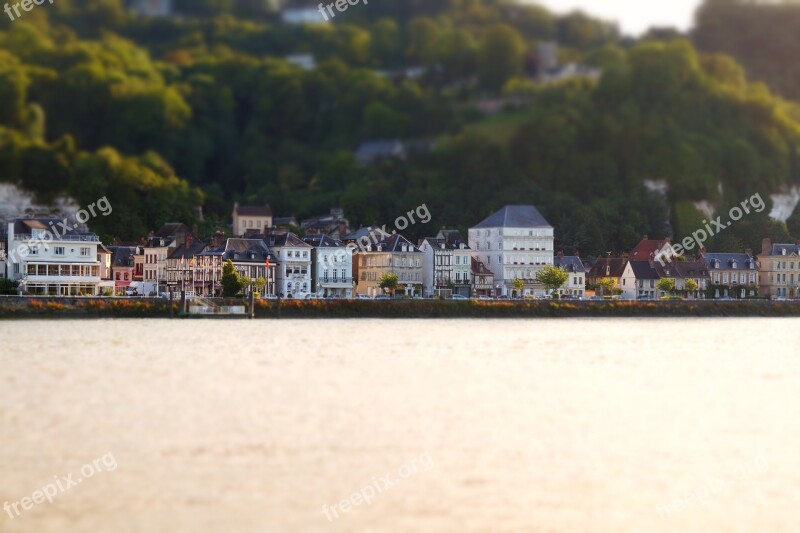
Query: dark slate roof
{"points": [[284, 221], [371, 150], [171, 229], [358, 234], [122, 256], [254, 210], [726, 261], [644, 270], [452, 236], [437, 244], [515, 216], [570, 262], [285, 239], [247, 251], [187, 251], [616, 267], [322, 241], [691, 269], [777, 249], [393, 243]]}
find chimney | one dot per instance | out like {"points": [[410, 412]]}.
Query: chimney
{"points": [[749, 251], [702, 251], [646, 237], [189, 239], [766, 246], [560, 254]]}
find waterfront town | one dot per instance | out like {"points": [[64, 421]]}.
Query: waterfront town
{"points": [[501, 257]]}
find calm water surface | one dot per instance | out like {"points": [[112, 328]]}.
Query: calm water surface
{"points": [[236, 426]]}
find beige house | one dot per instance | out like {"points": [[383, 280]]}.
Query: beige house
{"points": [[779, 270], [393, 255], [251, 219]]}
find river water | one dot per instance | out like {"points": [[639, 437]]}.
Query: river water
{"points": [[586, 425]]}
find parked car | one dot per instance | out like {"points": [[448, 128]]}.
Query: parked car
{"points": [[483, 299], [131, 292], [382, 297], [459, 297], [362, 297]]}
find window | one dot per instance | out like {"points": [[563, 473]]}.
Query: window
{"points": [[85, 252], [58, 250]]}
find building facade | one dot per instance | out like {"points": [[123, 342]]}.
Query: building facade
{"points": [[779, 270], [393, 255], [50, 262], [332, 267], [294, 265], [514, 243], [446, 265], [732, 275], [576, 282], [251, 219]]}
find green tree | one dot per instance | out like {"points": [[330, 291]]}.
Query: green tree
{"points": [[666, 285], [500, 57], [691, 285], [607, 285], [519, 285], [552, 277], [231, 282], [389, 282]]}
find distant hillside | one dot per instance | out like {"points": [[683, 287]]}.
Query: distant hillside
{"points": [[763, 36]]}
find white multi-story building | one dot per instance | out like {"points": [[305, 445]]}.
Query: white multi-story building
{"points": [[294, 265], [514, 243], [51, 257], [446, 266], [576, 282], [332, 267]]}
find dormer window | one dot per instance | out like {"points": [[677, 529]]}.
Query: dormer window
{"points": [[734, 264], [783, 251]]}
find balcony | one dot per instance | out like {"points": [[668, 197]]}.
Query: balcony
{"points": [[336, 281], [22, 237]]}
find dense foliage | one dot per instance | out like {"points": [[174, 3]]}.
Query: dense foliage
{"points": [[166, 115]]}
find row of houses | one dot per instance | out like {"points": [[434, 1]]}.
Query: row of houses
{"points": [[501, 256]]}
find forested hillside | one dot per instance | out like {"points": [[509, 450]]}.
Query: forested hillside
{"points": [[163, 115]]}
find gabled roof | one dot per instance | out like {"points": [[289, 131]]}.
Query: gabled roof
{"points": [[187, 251], [479, 269], [437, 244], [394, 244], [570, 263], [122, 256], [322, 241], [613, 267], [647, 249], [515, 216], [172, 229], [644, 270], [691, 269], [285, 239]]}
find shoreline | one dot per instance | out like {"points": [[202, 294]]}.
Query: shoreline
{"points": [[73, 308]]}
